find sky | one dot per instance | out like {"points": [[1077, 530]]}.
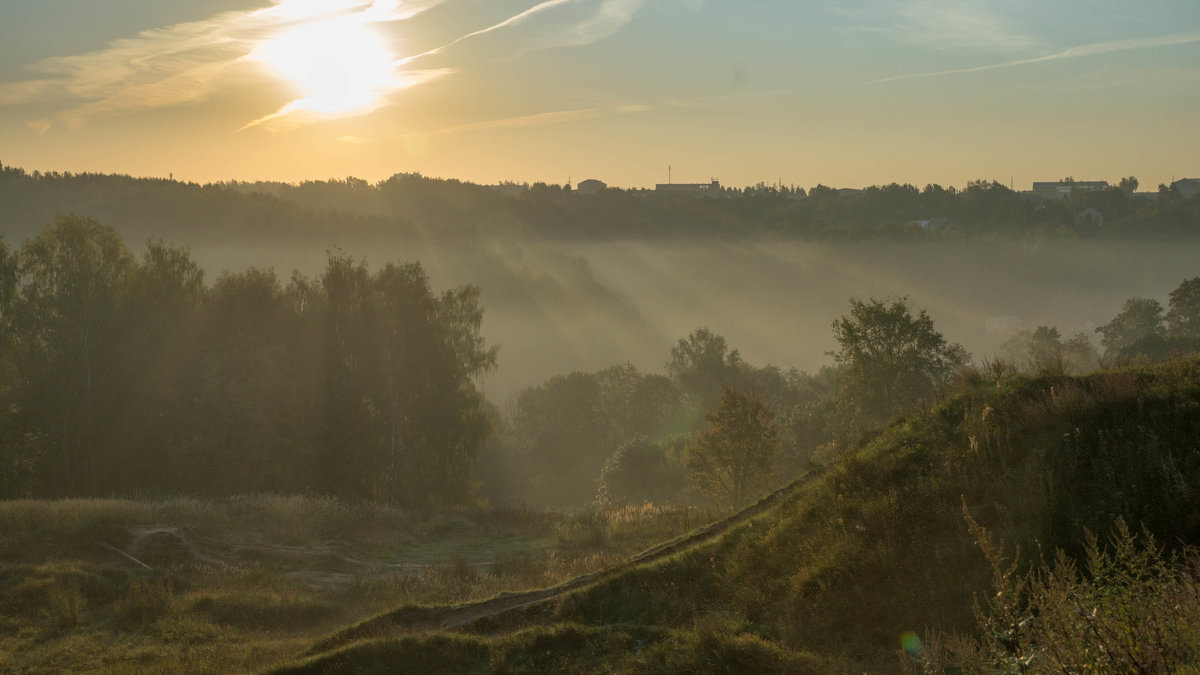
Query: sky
{"points": [[846, 94]]}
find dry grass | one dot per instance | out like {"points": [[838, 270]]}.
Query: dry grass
{"points": [[1130, 608], [249, 582]]}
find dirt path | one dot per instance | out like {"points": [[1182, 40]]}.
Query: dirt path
{"points": [[411, 620]]}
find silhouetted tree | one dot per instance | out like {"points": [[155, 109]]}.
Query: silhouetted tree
{"points": [[640, 471], [404, 417], [1183, 310], [735, 455], [1137, 331], [704, 365], [1044, 351], [72, 276], [892, 357]]}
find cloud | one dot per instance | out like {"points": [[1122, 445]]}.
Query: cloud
{"points": [[190, 62], [952, 25], [40, 126], [541, 119], [179, 64], [298, 113], [609, 17], [1072, 53]]}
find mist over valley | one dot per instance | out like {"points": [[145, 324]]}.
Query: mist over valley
{"points": [[554, 307]]}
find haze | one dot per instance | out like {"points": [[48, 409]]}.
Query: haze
{"points": [[840, 93], [558, 307]]}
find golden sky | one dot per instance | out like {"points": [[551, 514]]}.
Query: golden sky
{"points": [[841, 93]]}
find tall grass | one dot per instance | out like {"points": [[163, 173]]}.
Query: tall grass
{"points": [[265, 575], [1129, 608]]}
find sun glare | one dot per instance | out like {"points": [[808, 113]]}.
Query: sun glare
{"points": [[340, 65]]}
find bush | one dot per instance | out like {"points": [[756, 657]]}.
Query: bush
{"points": [[1133, 609], [639, 471]]}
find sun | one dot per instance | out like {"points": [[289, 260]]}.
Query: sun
{"points": [[339, 65]]}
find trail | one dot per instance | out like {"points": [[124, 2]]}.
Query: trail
{"points": [[421, 619]]}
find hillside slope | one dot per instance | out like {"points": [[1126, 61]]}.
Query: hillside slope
{"points": [[832, 574]]}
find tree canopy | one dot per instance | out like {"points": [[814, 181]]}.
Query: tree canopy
{"points": [[892, 356], [735, 455], [124, 375]]}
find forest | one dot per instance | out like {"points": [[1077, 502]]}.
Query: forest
{"points": [[458, 435], [130, 375], [414, 205]]}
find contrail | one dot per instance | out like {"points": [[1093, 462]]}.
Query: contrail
{"points": [[1072, 53], [510, 21]]}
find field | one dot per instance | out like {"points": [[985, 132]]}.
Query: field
{"points": [[1020, 513], [246, 583]]}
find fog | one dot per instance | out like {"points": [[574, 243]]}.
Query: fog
{"points": [[559, 307]]}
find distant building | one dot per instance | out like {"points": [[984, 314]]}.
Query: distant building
{"points": [[691, 189], [1187, 186], [1063, 189], [590, 186]]}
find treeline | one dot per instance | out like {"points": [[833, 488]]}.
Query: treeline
{"points": [[824, 213], [157, 207], [715, 426], [124, 375], [411, 205], [625, 436]]}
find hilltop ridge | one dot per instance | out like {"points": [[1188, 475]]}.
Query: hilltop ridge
{"points": [[835, 572]]}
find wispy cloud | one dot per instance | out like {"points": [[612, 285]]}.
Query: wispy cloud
{"points": [[960, 25], [952, 25], [608, 17], [1072, 53], [191, 62], [537, 120], [179, 64], [296, 114]]}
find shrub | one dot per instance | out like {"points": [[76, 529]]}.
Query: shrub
{"points": [[1132, 609]]}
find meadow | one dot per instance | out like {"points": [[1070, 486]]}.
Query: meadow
{"points": [[245, 583]]}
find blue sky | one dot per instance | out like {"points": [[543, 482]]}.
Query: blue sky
{"points": [[845, 93]]}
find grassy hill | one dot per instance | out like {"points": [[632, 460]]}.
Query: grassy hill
{"points": [[851, 570], [245, 583]]}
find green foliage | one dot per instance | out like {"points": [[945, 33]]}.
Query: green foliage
{"points": [[875, 548], [1044, 352], [562, 442], [1141, 332], [640, 471], [735, 456], [704, 365], [1183, 310], [410, 204], [400, 362], [565, 430], [1136, 331], [145, 600], [1128, 608], [893, 358], [65, 605], [131, 376], [271, 574]]}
